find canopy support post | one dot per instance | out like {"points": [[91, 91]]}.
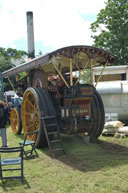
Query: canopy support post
{"points": [[11, 83], [59, 72], [101, 73], [71, 81], [91, 68]]}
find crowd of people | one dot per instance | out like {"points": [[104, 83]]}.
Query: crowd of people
{"points": [[4, 119]]}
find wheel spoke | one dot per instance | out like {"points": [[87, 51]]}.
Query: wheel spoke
{"points": [[28, 113], [28, 102], [30, 126]]}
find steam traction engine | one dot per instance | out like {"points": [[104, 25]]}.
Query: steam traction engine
{"points": [[60, 85]]}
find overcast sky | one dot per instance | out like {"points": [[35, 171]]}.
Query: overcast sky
{"points": [[57, 23]]}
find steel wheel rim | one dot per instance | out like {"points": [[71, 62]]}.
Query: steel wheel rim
{"points": [[14, 120], [30, 113]]}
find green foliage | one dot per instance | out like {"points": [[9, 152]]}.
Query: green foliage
{"points": [[23, 74], [112, 27], [85, 77], [9, 58]]}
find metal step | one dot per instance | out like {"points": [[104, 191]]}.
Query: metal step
{"points": [[51, 117], [53, 132], [58, 149], [51, 125], [54, 141]]}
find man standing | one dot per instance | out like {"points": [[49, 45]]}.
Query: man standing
{"points": [[9, 108], [3, 120]]}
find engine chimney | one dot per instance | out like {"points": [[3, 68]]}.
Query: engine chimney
{"points": [[30, 35]]}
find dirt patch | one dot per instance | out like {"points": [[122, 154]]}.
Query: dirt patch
{"points": [[113, 147]]}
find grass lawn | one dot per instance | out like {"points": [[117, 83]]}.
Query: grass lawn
{"points": [[86, 168]]}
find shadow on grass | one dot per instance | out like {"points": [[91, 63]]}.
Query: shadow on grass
{"points": [[12, 184], [92, 156]]}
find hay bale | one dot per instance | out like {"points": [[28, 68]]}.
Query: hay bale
{"points": [[113, 124], [112, 127]]}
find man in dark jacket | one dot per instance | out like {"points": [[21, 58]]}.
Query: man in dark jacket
{"points": [[9, 108], [3, 120]]}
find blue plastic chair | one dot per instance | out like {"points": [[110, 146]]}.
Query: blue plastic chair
{"points": [[32, 151], [7, 163]]}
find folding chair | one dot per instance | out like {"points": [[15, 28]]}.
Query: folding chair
{"points": [[10, 162], [31, 143]]}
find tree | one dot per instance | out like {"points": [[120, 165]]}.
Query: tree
{"points": [[10, 58], [112, 26]]}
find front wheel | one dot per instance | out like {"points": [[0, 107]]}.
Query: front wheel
{"points": [[15, 120]]}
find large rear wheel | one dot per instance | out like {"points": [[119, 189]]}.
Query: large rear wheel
{"points": [[97, 116], [35, 105], [102, 113], [39, 79]]}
